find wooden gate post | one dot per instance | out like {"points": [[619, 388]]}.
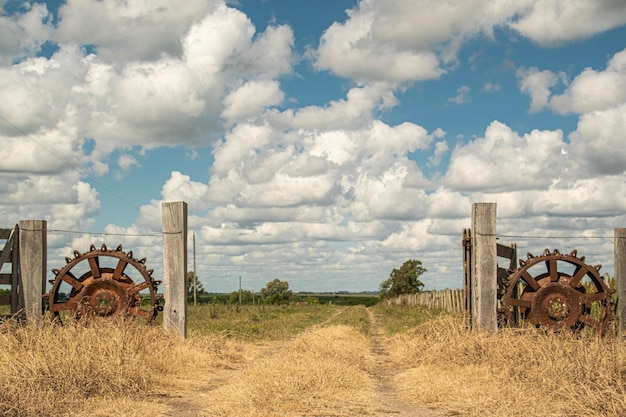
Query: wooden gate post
{"points": [[175, 266], [33, 240], [484, 264], [620, 279]]}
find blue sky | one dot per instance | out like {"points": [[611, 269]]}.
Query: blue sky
{"points": [[323, 143]]}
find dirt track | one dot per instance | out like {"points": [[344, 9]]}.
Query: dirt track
{"points": [[387, 392], [385, 397]]}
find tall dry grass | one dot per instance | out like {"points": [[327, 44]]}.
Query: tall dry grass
{"points": [[326, 367], [516, 372], [101, 369]]}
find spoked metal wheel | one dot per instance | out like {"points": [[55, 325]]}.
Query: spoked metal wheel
{"points": [[99, 283], [557, 291]]}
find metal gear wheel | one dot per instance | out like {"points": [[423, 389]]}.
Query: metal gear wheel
{"points": [[98, 283], [557, 291]]}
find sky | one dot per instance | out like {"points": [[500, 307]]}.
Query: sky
{"points": [[323, 142]]}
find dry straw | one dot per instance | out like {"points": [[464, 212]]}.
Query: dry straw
{"points": [[516, 372], [52, 370], [323, 372]]}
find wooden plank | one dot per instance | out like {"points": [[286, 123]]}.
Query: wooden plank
{"points": [[32, 259], [15, 272], [620, 279], [5, 233], [5, 254], [505, 251], [484, 267], [175, 266], [5, 279]]}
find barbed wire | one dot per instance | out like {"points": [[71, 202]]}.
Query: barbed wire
{"points": [[498, 236], [78, 232], [159, 234]]}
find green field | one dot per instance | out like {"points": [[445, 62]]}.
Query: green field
{"points": [[345, 299]]}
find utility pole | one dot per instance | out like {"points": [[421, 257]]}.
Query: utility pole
{"points": [[195, 275]]}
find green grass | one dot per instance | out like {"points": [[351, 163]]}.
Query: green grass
{"points": [[5, 310], [398, 319], [255, 322], [282, 322], [353, 316]]}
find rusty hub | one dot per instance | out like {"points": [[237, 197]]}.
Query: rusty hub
{"points": [[557, 291], [86, 287]]}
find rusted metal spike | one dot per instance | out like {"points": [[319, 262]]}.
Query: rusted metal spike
{"points": [[77, 254], [573, 253], [68, 260], [51, 281], [556, 252], [529, 255], [597, 267], [119, 248], [104, 248], [150, 272], [55, 271], [522, 262], [92, 248], [143, 261], [130, 254], [157, 283], [546, 252], [582, 258]]}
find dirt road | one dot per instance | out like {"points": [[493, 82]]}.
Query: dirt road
{"points": [[387, 392], [211, 394]]}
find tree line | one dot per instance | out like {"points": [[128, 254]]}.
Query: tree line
{"points": [[403, 280]]}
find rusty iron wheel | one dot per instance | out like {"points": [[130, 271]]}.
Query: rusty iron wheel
{"points": [[97, 284], [557, 291]]}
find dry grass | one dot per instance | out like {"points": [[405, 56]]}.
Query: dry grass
{"points": [[321, 365], [517, 372], [77, 370], [322, 372]]}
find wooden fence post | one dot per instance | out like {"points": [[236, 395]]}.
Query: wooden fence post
{"points": [[33, 264], [175, 266], [620, 278], [484, 264]]}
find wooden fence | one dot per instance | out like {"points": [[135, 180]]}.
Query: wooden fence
{"points": [[9, 257], [451, 300]]}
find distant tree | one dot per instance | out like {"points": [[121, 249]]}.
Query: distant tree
{"points": [[191, 277], [247, 297], [404, 280], [276, 292]]}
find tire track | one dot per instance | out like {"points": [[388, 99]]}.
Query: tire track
{"points": [[388, 396]]}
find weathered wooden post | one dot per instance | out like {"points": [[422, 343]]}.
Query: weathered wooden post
{"points": [[484, 264], [33, 264], [620, 279], [175, 266]]}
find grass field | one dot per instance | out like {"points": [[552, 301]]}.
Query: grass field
{"points": [[313, 360]]}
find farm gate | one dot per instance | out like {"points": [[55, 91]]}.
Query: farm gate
{"points": [[102, 288], [507, 256], [552, 290], [9, 262]]}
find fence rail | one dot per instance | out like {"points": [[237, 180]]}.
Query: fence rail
{"points": [[451, 300]]}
